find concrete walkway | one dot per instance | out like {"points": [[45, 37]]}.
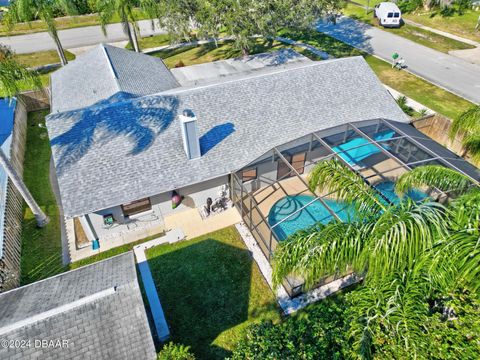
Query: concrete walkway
{"points": [[74, 38], [446, 71], [159, 320]]}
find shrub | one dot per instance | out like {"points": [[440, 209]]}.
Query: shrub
{"points": [[179, 64], [173, 351], [317, 333], [402, 102]]}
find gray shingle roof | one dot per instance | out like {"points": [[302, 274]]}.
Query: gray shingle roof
{"points": [[109, 155], [108, 73], [81, 307]]}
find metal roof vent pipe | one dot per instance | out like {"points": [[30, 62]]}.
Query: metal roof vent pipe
{"points": [[191, 141]]}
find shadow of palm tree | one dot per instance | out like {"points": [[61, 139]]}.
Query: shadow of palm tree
{"points": [[141, 121]]}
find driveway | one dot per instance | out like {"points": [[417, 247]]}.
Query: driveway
{"points": [[73, 38], [449, 72]]}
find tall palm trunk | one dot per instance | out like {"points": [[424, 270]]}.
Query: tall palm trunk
{"points": [[40, 216], [60, 51], [52, 30], [135, 44]]}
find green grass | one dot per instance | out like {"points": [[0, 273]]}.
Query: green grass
{"points": [[68, 22], [42, 58], [152, 42], [109, 253], [199, 54], [461, 25], [211, 290], [413, 33], [41, 248]]}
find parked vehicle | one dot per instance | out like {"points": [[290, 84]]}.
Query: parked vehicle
{"points": [[388, 14]]}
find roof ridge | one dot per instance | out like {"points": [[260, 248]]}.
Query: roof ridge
{"points": [[110, 66]]}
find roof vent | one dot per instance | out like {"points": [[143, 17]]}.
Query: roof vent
{"points": [[191, 142]]}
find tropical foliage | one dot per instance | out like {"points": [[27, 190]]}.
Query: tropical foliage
{"points": [[13, 74], [414, 258], [468, 124], [172, 351]]}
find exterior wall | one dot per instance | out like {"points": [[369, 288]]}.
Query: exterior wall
{"points": [[151, 222], [36, 99], [12, 235]]}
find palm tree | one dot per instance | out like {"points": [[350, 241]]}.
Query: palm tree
{"points": [[468, 123], [11, 75], [406, 253], [125, 10], [29, 10]]}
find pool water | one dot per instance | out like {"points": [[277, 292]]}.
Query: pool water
{"points": [[358, 149], [387, 188], [317, 212]]}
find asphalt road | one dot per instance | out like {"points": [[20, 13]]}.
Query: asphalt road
{"points": [[73, 38], [449, 72]]}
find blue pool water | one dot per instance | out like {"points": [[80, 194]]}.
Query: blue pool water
{"points": [[358, 149], [317, 212], [387, 188]]}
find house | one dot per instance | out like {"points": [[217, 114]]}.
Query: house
{"points": [[13, 128], [121, 153], [94, 312]]}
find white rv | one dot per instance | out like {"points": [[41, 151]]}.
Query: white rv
{"points": [[388, 14]]}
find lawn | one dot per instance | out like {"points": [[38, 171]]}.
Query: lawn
{"points": [[199, 54], [41, 248], [461, 25], [211, 290], [152, 42], [42, 58], [413, 33], [67, 22]]}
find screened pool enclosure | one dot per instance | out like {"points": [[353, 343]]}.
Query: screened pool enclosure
{"points": [[272, 192]]}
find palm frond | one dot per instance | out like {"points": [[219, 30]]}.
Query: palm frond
{"points": [[14, 75], [334, 177], [402, 234], [471, 144], [434, 176], [467, 122], [318, 252]]}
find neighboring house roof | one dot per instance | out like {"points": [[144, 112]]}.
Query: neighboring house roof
{"points": [[106, 74], [7, 119], [98, 309], [229, 69], [112, 154]]}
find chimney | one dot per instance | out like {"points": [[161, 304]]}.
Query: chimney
{"points": [[191, 142]]}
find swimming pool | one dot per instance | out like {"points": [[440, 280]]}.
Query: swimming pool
{"points": [[387, 188], [317, 212]]}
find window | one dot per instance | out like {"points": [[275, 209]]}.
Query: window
{"points": [[249, 174], [397, 15], [136, 207], [298, 162], [390, 15]]}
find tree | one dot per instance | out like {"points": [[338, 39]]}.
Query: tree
{"points": [[29, 10], [409, 254], [12, 74], [468, 123], [125, 10], [171, 351]]}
